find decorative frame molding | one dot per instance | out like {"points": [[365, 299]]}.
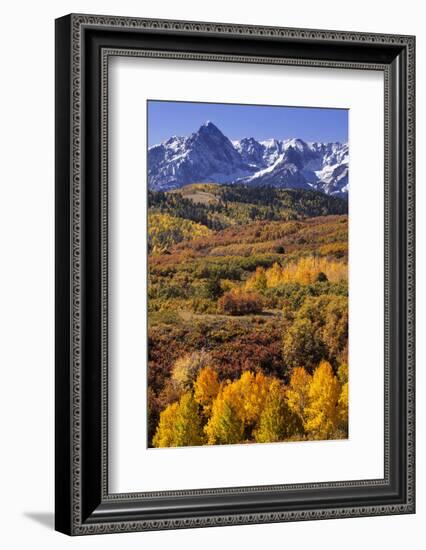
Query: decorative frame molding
{"points": [[84, 44]]}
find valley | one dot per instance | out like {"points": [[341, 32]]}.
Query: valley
{"points": [[247, 315]]}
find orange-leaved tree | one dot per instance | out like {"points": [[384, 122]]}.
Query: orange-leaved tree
{"points": [[240, 302], [206, 388]]}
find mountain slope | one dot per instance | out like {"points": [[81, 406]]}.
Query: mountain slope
{"points": [[206, 155], [209, 156], [219, 206]]}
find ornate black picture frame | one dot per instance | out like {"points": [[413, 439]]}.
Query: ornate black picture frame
{"points": [[83, 45]]}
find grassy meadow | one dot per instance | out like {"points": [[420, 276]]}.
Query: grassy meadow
{"points": [[247, 316]]}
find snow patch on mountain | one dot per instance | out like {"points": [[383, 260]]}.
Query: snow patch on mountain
{"points": [[209, 156]]}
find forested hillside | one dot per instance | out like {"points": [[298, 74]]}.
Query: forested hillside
{"points": [[247, 315], [220, 206]]}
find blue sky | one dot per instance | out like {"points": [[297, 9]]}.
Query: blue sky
{"points": [[168, 118]]}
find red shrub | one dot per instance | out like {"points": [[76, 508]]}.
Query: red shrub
{"points": [[238, 302]]}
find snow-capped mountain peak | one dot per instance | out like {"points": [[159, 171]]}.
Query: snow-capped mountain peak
{"points": [[295, 143], [208, 155]]}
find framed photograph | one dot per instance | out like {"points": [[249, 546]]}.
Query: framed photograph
{"points": [[234, 274]]}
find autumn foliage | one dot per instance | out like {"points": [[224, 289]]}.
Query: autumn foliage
{"points": [[239, 302], [180, 424], [256, 408], [247, 316]]}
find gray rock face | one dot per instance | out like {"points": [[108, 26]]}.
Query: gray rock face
{"points": [[209, 156]]}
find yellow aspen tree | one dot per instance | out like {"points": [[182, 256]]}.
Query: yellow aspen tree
{"points": [[298, 391], [343, 404], [164, 231], [237, 408], [274, 275], [224, 427], [343, 373], [188, 426], [277, 422], [206, 388], [257, 281], [247, 395], [165, 433], [343, 409], [321, 414], [306, 271], [180, 424]]}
